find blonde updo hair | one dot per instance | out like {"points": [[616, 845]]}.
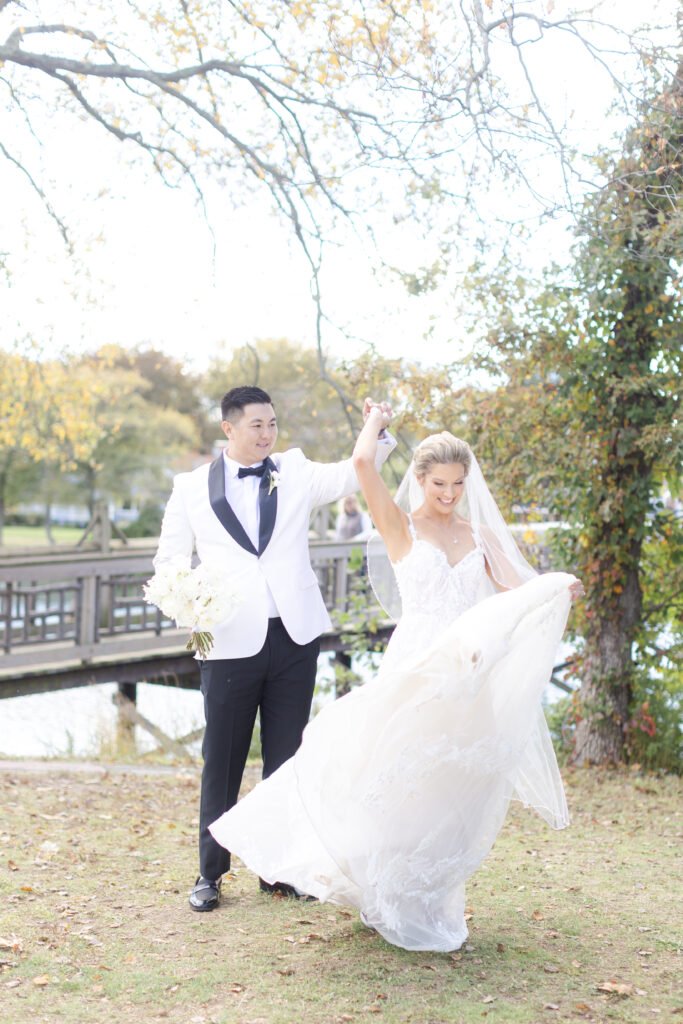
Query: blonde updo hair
{"points": [[441, 449]]}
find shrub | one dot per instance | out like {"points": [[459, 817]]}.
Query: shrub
{"points": [[147, 524]]}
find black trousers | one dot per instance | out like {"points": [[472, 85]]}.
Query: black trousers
{"points": [[279, 681]]}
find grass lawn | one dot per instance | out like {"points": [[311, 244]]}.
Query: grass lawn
{"points": [[35, 536], [95, 926]]}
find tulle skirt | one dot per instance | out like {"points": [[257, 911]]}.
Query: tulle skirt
{"points": [[399, 789]]}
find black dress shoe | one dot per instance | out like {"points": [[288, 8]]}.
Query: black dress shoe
{"points": [[205, 894], [285, 889]]}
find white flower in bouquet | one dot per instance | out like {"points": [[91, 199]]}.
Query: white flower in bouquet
{"points": [[197, 599]]}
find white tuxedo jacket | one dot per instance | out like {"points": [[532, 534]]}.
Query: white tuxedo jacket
{"points": [[198, 514]]}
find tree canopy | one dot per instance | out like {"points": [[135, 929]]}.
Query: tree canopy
{"points": [[333, 108]]}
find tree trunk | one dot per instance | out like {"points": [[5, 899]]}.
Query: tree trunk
{"points": [[48, 522], [607, 673], [90, 479]]}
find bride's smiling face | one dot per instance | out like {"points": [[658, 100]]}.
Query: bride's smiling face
{"points": [[443, 485]]}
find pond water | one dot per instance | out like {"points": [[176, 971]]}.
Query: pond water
{"points": [[82, 722]]}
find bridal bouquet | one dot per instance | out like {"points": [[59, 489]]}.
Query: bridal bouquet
{"points": [[198, 599]]}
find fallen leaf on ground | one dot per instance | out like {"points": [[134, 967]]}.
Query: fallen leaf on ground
{"points": [[619, 988], [41, 980], [551, 969], [13, 984], [489, 999], [12, 943], [500, 947], [12, 866], [551, 1006], [286, 972], [537, 915], [645, 952]]}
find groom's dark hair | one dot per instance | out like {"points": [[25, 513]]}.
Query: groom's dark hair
{"points": [[234, 400]]}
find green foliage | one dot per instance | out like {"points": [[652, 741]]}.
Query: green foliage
{"points": [[560, 717], [654, 738], [148, 523], [137, 438], [167, 384], [581, 414], [360, 624], [586, 415], [312, 413]]}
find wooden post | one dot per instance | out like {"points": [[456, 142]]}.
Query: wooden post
{"points": [[87, 625], [9, 597], [342, 584], [125, 699], [128, 710]]}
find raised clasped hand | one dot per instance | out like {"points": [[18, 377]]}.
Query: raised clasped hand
{"points": [[383, 408]]}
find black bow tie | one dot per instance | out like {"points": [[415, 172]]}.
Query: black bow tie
{"points": [[251, 471]]}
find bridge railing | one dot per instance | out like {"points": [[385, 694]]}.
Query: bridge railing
{"points": [[90, 601]]}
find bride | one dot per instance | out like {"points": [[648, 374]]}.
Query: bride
{"points": [[399, 788]]}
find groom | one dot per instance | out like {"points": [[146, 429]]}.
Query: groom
{"points": [[248, 514]]}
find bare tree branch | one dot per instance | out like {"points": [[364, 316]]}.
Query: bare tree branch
{"points": [[43, 198]]}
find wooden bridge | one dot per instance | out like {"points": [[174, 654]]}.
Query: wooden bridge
{"points": [[75, 618]]}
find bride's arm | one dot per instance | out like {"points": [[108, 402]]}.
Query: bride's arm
{"points": [[389, 519]]}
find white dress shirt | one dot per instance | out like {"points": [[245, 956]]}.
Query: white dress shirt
{"points": [[242, 496]]}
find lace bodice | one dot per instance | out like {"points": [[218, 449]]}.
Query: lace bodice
{"points": [[433, 593], [430, 586]]}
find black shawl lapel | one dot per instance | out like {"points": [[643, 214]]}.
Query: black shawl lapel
{"points": [[221, 506], [267, 507]]}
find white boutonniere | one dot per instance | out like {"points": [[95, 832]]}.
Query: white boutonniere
{"points": [[273, 481]]}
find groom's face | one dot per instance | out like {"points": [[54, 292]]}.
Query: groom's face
{"points": [[251, 436]]}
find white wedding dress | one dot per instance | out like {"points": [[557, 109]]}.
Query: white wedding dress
{"points": [[399, 789]]}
